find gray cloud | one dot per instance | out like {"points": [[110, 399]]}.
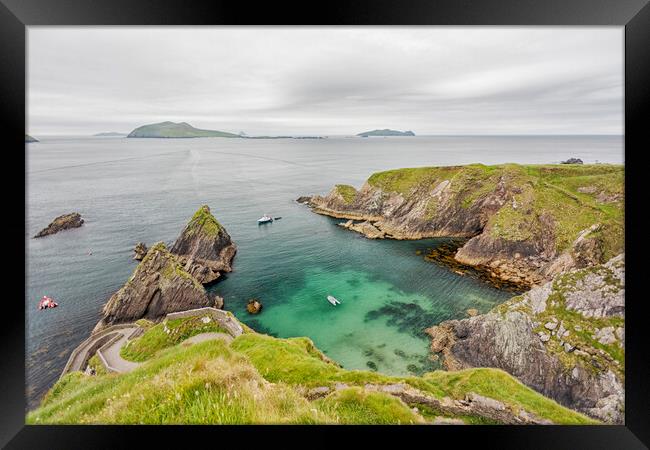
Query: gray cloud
{"points": [[326, 80]]}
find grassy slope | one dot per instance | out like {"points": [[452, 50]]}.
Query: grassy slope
{"points": [[261, 379], [545, 189], [167, 334]]}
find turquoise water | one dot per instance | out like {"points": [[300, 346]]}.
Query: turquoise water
{"points": [[131, 190]]}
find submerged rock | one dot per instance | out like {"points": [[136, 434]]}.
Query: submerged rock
{"points": [[204, 248], [254, 306], [140, 251], [158, 286], [64, 222]]}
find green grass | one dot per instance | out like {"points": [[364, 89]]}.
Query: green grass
{"points": [[203, 221], [357, 406], [167, 334], [260, 379], [347, 192], [288, 361]]}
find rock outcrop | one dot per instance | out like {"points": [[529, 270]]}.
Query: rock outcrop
{"points": [[158, 286], [140, 250], [64, 222], [253, 306], [204, 248], [28, 138], [565, 339], [523, 224]]}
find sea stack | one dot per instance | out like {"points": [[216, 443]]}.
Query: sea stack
{"points": [[158, 286], [64, 222], [204, 248]]}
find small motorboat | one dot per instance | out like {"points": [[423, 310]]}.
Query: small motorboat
{"points": [[265, 219], [277, 218], [333, 300], [46, 302]]}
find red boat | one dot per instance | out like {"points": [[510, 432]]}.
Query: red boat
{"points": [[47, 302]]}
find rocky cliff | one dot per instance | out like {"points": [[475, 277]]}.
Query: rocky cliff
{"points": [[523, 223], [565, 339], [204, 247], [64, 222], [159, 285]]}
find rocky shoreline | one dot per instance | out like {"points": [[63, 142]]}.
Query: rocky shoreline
{"points": [[522, 224]]}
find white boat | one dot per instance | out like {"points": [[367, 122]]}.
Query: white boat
{"points": [[333, 300], [265, 219]]}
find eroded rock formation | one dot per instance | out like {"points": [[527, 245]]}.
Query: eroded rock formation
{"points": [[158, 286], [204, 248], [565, 339]]}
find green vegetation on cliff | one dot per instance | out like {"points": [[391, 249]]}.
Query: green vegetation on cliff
{"points": [[203, 221], [176, 130], [573, 197], [346, 191], [261, 379]]}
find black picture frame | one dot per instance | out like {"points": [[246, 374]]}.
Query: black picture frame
{"points": [[16, 15]]}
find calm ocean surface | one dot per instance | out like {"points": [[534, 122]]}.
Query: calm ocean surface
{"points": [[131, 190]]}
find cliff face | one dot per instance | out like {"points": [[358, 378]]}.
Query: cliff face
{"points": [[565, 339], [204, 247], [159, 285], [524, 223], [64, 222]]}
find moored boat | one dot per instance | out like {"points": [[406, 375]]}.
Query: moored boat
{"points": [[265, 219], [333, 300], [47, 302]]}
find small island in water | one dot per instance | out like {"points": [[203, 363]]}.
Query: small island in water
{"points": [[386, 132], [110, 134], [176, 130]]}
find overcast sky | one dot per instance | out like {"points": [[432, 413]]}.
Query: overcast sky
{"points": [[328, 81]]}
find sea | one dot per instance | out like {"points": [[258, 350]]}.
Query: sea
{"points": [[132, 190]]}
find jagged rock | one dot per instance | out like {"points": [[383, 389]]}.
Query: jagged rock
{"points": [[472, 405], [64, 222], [366, 228], [572, 161], [139, 251], [472, 312], [159, 285], [513, 338], [204, 247], [303, 199], [253, 306], [605, 335]]}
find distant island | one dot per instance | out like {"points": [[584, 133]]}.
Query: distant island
{"points": [[28, 138], [386, 132], [110, 133], [176, 130]]}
